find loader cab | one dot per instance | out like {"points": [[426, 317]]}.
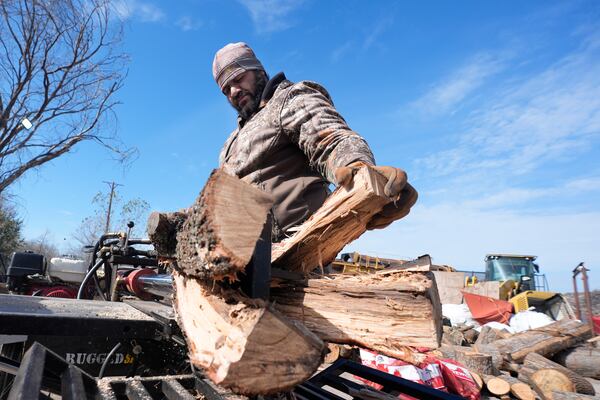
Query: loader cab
{"points": [[519, 269]]}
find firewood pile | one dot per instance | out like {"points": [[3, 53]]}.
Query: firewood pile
{"points": [[261, 346], [557, 361]]}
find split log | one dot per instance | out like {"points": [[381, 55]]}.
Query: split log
{"points": [[534, 362], [341, 219], [219, 235], [547, 340], [584, 360], [477, 378], [489, 334], [162, 231], [382, 312], [471, 335], [452, 336], [243, 344], [546, 381], [495, 385]]}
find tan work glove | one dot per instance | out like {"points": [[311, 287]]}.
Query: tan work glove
{"points": [[396, 188]]}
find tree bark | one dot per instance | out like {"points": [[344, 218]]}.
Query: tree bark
{"points": [[218, 238], [546, 381], [584, 360], [243, 344], [382, 312], [534, 362], [558, 395], [341, 219], [546, 341], [162, 231]]}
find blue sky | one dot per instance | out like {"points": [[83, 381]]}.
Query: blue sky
{"points": [[493, 109]]}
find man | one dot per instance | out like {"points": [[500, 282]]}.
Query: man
{"points": [[292, 142]]}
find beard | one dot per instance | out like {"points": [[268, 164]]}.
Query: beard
{"points": [[251, 106]]}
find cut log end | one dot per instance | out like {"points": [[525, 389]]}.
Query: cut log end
{"points": [[546, 381], [218, 238]]}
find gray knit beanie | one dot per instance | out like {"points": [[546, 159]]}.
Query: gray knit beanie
{"points": [[232, 60]]}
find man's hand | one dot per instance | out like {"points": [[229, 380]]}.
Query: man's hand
{"points": [[395, 210], [397, 188]]}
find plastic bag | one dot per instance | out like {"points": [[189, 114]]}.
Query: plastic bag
{"points": [[458, 314], [526, 320], [458, 380]]}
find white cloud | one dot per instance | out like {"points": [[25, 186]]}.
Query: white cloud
{"points": [[271, 15], [144, 11], [376, 31], [541, 119], [187, 23], [461, 236], [447, 94], [339, 52]]}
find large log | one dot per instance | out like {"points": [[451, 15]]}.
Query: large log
{"points": [[558, 395], [547, 340], [218, 237], [341, 219], [383, 312], [243, 344], [584, 360], [534, 362], [546, 381]]}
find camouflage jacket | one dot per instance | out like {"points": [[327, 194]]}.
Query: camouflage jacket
{"points": [[280, 151]]}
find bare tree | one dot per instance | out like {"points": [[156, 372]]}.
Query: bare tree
{"points": [[43, 244], [93, 226], [60, 66]]}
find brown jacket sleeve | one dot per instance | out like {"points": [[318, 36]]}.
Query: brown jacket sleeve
{"points": [[306, 114]]}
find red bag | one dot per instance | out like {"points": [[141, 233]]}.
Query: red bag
{"points": [[458, 379]]}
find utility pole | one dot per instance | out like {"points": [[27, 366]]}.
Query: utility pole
{"points": [[113, 185]]}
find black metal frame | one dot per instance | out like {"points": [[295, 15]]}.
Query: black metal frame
{"points": [[313, 389], [42, 369]]}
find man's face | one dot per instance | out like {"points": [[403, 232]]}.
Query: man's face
{"points": [[241, 93]]}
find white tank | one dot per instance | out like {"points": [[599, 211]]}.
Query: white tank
{"points": [[67, 269]]}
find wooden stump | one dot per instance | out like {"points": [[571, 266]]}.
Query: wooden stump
{"points": [[480, 363]]}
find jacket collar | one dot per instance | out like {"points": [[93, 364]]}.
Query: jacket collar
{"points": [[267, 93], [270, 88]]}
